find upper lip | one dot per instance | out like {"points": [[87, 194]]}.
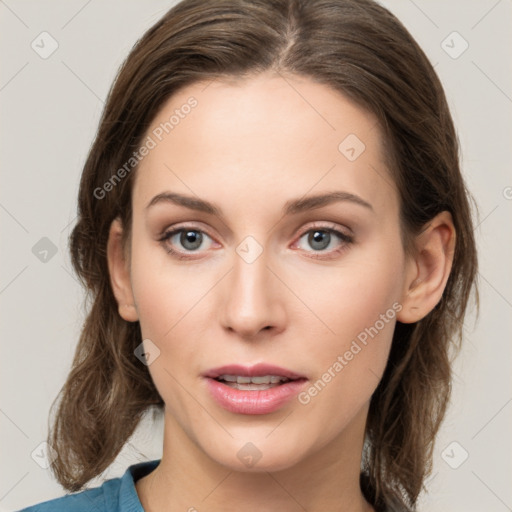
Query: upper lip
{"points": [[256, 370]]}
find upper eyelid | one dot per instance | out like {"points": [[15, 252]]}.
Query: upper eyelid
{"points": [[327, 226], [176, 229]]}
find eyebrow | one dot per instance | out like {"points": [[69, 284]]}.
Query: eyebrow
{"points": [[291, 207]]}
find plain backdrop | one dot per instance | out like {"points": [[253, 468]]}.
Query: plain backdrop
{"points": [[50, 109]]}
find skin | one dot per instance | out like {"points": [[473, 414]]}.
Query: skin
{"points": [[249, 147]]}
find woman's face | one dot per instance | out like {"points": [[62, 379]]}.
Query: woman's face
{"points": [[266, 275]]}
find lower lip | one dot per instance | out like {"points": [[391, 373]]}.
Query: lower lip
{"points": [[254, 402]]}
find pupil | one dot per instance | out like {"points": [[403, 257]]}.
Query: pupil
{"points": [[319, 239]]}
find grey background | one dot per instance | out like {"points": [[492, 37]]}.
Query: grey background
{"points": [[49, 113]]}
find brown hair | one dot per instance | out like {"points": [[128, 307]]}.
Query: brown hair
{"points": [[358, 48]]}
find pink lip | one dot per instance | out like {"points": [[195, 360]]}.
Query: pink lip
{"points": [[258, 401]]}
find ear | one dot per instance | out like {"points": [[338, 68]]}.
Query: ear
{"points": [[428, 269], [119, 269]]}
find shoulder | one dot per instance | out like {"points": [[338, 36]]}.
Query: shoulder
{"points": [[88, 500], [114, 495]]}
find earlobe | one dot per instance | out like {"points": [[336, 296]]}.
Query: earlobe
{"points": [[120, 273], [429, 268]]}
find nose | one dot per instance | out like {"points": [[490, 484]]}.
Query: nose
{"points": [[253, 299]]}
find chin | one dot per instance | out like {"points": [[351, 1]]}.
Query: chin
{"points": [[260, 455]]}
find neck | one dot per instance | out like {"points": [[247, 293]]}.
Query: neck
{"points": [[188, 479]]}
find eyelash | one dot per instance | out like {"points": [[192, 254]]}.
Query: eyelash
{"points": [[331, 229]]}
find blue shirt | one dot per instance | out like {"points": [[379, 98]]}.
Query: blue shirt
{"points": [[114, 495], [120, 495]]}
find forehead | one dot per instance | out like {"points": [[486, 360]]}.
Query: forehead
{"points": [[262, 140]]}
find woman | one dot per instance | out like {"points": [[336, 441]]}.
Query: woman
{"points": [[277, 239]]}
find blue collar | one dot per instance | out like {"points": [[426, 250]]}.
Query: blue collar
{"points": [[128, 498]]}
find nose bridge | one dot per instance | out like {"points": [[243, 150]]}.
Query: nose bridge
{"points": [[252, 298]]}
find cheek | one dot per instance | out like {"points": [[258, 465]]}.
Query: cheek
{"points": [[167, 297], [358, 305], [352, 297], [165, 293]]}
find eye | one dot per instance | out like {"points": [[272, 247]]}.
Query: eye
{"points": [[189, 242], [321, 238], [186, 239]]}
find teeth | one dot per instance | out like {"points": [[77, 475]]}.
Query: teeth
{"points": [[264, 379], [228, 378], [250, 387]]}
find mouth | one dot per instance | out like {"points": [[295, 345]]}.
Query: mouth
{"points": [[258, 389]]}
